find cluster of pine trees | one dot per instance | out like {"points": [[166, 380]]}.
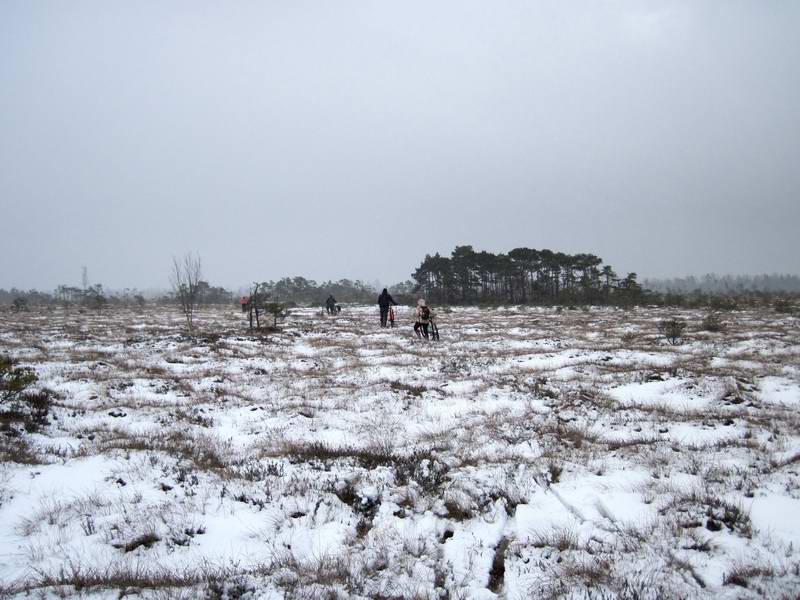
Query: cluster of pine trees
{"points": [[522, 276]]}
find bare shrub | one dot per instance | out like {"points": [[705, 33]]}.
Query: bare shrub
{"points": [[18, 450], [672, 329], [713, 322], [185, 279], [422, 468]]}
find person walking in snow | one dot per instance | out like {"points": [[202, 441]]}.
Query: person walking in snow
{"points": [[330, 304], [423, 318], [384, 302]]}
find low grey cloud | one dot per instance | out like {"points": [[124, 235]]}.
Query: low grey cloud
{"points": [[348, 139]]}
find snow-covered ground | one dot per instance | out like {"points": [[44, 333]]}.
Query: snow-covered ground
{"points": [[529, 454]]}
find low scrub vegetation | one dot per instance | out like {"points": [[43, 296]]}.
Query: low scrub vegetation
{"points": [[531, 452]]}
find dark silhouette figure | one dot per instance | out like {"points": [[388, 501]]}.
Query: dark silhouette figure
{"points": [[330, 304], [384, 302]]}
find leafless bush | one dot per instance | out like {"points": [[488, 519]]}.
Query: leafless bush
{"points": [[672, 329], [185, 278], [18, 450], [713, 322]]}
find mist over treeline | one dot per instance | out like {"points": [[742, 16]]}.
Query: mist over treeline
{"points": [[297, 289], [712, 283]]}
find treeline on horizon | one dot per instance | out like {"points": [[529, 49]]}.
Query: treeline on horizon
{"points": [[287, 290], [530, 276], [711, 283], [467, 276]]}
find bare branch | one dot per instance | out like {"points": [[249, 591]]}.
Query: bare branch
{"points": [[185, 277]]}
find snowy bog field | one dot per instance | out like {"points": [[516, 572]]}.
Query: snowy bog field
{"points": [[529, 454]]}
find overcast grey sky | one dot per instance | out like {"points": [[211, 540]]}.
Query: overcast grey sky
{"points": [[348, 139]]}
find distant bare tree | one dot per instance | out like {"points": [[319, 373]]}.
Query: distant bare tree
{"points": [[255, 303], [185, 277], [253, 308]]}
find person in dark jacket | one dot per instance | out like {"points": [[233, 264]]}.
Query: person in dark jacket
{"points": [[330, 304], [384, 302]]}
